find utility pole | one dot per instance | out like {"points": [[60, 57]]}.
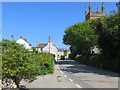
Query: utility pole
{"points": [[49, 43]]}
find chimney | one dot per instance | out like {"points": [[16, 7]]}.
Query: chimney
{"points": [[21, 37], [25, 39]]}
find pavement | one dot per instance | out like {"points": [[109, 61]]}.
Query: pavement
{"points": [[56, 80], [0, 84]]}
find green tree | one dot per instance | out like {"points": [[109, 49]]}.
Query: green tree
{"points": [[65, 53], [17, 62], [12, 36], [108, 30], [81, 37], [45, 63]]}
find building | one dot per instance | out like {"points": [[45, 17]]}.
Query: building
{"points": [[118, 5], [48, 48], [24, 43], [89, 14], [61, 52]]}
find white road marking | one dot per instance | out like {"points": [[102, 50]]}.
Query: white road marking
{"points": [[61, 71], [68, 78], [71, 80], [78, 86], [65, 76]]}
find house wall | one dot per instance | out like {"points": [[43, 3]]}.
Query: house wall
{"points": [[24, 43], [39, 50], [51, 49], [95, 50], [60, 53]]}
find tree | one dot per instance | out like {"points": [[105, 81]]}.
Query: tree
{"points": [[108, 30], [65, 53], [45, 63], [17, 62], [12, 36], [81, 37]]}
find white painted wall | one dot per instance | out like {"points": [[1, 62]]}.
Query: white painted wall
{"points": [[24, 43], [51, 49], [39, 50], [60, 53]]}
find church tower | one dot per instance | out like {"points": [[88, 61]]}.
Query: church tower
{"points": [[94, 14], [118, 5]]}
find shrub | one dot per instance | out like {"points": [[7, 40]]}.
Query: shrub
{"points": [[45, 63], [17, 62]]}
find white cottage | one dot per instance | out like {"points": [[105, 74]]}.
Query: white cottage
{"points": [[24, 43], [47, 47], [61, 52]]}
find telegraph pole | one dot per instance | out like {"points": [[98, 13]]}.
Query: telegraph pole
{"points": [[49, 43]]}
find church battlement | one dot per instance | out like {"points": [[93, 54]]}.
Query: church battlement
{"points": [[118, 5], [94, 14]]}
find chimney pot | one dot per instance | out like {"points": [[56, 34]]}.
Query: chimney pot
{"points": [[25, 39]]}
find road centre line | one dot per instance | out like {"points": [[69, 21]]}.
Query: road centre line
{"points": [[68, 78], [71, 80], [65, 76], [78, 86]]}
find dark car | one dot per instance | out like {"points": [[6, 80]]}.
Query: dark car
{"points": [[62, 57]]}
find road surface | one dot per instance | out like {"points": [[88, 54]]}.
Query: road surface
{"points": [[56, 80], [86, 76]]}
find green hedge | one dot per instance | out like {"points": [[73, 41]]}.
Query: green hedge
{"points": [[99, 61], [19, 63], [45, 63]]}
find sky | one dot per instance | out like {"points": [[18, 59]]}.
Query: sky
{"points": [[35, 21]]}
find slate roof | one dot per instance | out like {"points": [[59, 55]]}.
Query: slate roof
{"points": [[61, 50], [41, 45]]}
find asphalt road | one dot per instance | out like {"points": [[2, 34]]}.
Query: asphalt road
{"points": [[88, 77]]}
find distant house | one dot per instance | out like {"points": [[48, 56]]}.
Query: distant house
{"points": [[95, 50], [24, 43], [40, 46], [48, 48], [61, 52]]}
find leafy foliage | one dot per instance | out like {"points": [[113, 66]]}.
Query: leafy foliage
{"points": [[18, 63], [103, 33], [65, 53], [45, 62], [80, 37], [108, 30]]}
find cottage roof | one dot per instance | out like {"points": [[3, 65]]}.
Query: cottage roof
{"points": [[25, 40], [41, 45], [62, 50]]}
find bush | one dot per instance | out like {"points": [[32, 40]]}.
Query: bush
{"points": [[91, 60], [45, 63], [18, 63]]}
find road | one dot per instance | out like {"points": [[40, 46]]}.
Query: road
{"points": [[55, 80], [86, 76]]}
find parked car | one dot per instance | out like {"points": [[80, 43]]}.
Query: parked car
{"points": [[62, 57]]}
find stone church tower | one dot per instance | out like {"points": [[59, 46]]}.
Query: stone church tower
{"points": [[118, 5], [94, 14]]}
